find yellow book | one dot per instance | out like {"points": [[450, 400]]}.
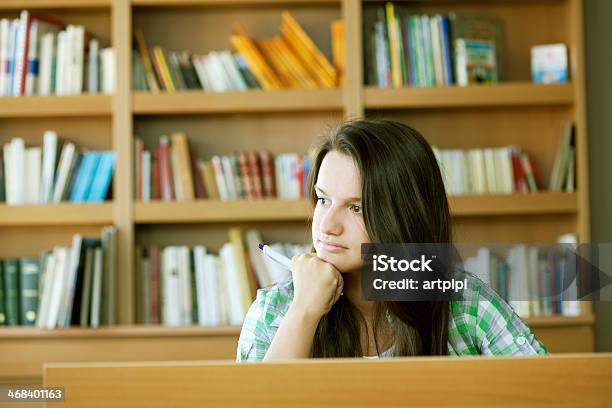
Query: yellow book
{"points": [[163, 67], [179, 141], [299, 71], [272, 55], [396, 69], [313, 55], [247, 283], [337, 31], [210, 183], [256, 58], [146, 61]]}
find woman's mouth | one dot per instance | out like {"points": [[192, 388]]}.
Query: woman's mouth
{"points": [[331, 247]]}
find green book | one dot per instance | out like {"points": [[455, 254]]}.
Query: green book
{"points": [[29, 273], [2, 301], [11, 291]]}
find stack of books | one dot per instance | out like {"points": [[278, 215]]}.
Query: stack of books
{"points": [[62, 287], [179, 285], [289, 60], [501, 170], [529, 277], [39, 175], [42, 55], [172, 172], [404, 49]]}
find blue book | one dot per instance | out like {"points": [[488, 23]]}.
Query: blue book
{"points": [[103, 177], [446, 49], [85, 176]]}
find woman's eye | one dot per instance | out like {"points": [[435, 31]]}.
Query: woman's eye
{"points": [[357, 209], [321, 200]]}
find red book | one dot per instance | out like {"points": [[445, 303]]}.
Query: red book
{"points": [[156, 185], [198, 182], [267, 173], [138, 149], [255, 172], [154, 283], [520, 180], [245, 171], [165, 172]]}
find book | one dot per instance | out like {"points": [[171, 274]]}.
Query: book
{"points": [[549, 64], [475, 62]]}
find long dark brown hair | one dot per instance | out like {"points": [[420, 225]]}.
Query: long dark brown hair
{"points": [[403, 200]]}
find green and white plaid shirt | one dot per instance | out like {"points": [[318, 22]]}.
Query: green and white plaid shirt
{"points": [[481, 323]]}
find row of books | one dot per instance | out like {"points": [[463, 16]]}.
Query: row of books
{"points": [[422, 50], [172, 172], [42, 55], [64, 286], [179, 285], [39, 175], [529, 278], [289, 60], [501, 170]]}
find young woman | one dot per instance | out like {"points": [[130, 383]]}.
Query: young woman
{"points": [[374, 181]]}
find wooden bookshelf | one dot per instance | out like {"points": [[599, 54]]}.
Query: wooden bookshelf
{"points": [[56, 214], [47, 106], [512, 112], [252, 101], [508, 94]]}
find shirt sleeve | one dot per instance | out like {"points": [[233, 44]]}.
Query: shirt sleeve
{"points": [[254, 338], [500, 331]]}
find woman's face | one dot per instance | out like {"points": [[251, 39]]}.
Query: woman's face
{"points": [[337, 226]]}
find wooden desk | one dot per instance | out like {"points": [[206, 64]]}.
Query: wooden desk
{"points": [[550, 381]]}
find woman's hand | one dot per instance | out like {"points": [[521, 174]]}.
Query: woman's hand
{"points": [[317, 285]]}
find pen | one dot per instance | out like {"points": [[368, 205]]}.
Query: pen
{"points": [[275, 256]]}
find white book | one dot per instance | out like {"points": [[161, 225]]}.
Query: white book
{"points": [[279, 166], [5, 25], [146, 176], [93, 67], [253, 239], [60, 63], [198, 63], [63, 172], [78, 42], [570, 307], [30, 76], [47, 51], [219, 80], [220, 178], [223, 296], [199, 252], [69, 52], [518, 281], [229, 65], [45, 290], [479, 181], [109, 78], [96, 289], [534, 286], [12, 50], [436, 50], [457, 169], [171, 313], [18, 166], [483, 262], [9, 181], [184, 266], [33, 158], [20, 52], [212, 288], [176, 173], [228, 173], [48, 166], [503, 163], [489, 159], [232, 285], [68, 300], [59, 275]]}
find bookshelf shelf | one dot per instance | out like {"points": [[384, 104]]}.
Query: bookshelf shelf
{"points": [[46, 106], [56, 214], [216, 211], [504, 94], [561, 321], [121, 331], [285, 210], [227, 2], [186, 102], [515, 204], [51, 4]]}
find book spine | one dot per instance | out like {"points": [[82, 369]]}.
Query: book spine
{"points": [[11, 286]]}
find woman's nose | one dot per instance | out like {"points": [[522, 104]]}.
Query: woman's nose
{"points": [[331, 222]]}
